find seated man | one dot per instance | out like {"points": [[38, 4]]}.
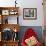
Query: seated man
{"points": [[30, 38]]}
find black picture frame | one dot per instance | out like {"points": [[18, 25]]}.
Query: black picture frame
{"points": [[29, 13]]}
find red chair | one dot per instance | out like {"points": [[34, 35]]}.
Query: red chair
{"points": [[29, 33]]}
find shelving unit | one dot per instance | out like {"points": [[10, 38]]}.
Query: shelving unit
{"points": [[5, 26]]}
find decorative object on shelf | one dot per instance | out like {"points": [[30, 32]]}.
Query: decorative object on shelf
{"points": [[15, 3], [29, 13], [6, 21], [15, 36], [13, 12], [15, 30], [7, 34], [5, 12]]}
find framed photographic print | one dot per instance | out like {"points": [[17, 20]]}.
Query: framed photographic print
{"points": [[29, 13], [5, 12]]}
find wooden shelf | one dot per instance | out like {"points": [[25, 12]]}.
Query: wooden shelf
{"points": [[11, 26], [9, 9], [4, 12], [9, 43]]}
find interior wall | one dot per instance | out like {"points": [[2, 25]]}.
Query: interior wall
{"points": [[32, 4], [26, 4]]}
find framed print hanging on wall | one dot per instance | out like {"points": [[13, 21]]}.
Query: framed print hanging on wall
{"points": [[29, 13]]}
